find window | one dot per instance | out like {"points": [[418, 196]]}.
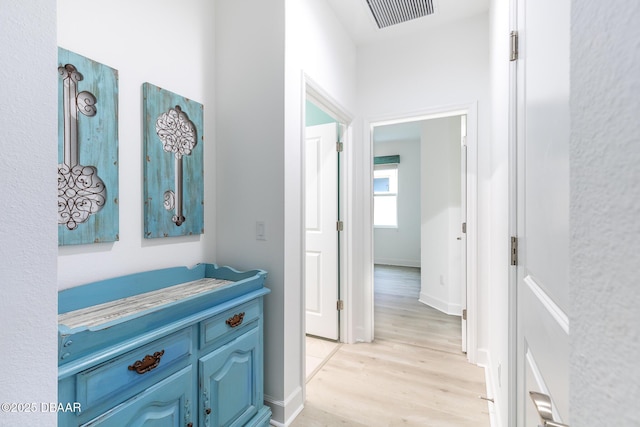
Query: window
{"points": [[385, 195]]}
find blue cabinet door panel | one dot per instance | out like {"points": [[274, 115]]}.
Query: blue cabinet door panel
{"points": [[229, 377]]}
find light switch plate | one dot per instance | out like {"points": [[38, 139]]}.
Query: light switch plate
{"points": [[261, 231]]}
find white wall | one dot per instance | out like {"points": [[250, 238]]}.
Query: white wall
{"points": [[28, 307], [401, 246], [604, 208], [407, 77], [446, 65], [170, 45], [440, 214]]}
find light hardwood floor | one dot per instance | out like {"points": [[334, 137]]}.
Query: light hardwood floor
{"points": [[414, 374]]}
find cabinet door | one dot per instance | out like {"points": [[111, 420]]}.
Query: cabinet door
{"points": [[166, 404], [230, 381]]}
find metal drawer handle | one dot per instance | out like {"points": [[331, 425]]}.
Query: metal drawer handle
{"points": [[542, 403], [147, 364], [235, 320]]}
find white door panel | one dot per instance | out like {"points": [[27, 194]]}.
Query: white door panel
{"points": [[546, 348], [313, 281], [321, 214], [543, 207]]}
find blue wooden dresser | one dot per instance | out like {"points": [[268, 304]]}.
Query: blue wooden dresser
{"points": [[172, 347]]}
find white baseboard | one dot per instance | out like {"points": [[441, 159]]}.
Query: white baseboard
{"points": [[484, 360], [482, 357], [398, 262], [283, 412], [443, 306]]}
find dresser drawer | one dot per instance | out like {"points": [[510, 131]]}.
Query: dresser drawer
{"points": [[215, 328], [163, 404], [125, 375]]}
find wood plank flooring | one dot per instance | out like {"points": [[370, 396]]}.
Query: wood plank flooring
{"points": [[413, 374]]}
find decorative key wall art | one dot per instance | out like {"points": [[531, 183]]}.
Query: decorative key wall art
{"points": [[173, 171], [87, 150]]}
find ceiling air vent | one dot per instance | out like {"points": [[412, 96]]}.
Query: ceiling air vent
{"points": [[391, 12]]}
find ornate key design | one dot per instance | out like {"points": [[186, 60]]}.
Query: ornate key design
{"points": [[178, 136], [81, 192]]}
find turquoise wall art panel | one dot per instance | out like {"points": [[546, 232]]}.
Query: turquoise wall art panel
{"points": [[173, 164], [87, 150]]}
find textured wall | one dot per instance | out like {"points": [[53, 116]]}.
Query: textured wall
{"points": [[605, 203], [28, 230]]}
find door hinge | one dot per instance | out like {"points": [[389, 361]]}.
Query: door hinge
{"points": [[340, 305], [464, 227], [464, 314], [514, 250], [339, 147], [514, 46], [340, 226]]}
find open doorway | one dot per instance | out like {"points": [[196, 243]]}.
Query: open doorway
{"points": [[433, 206], [324, 248], [321, 253]]}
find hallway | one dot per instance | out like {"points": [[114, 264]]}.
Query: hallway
{"points": [[412, 375]]}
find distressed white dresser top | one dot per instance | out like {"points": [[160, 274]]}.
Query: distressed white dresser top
{"points": [[103, 313]]}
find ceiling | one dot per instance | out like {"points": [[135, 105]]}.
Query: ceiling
{"points": [[357, 20]]}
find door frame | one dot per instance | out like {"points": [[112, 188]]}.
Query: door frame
{"points": [[314, 92], [469, 109], [512, 345]]}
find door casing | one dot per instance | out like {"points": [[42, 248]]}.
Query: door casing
{"points": [[315, 93], [470, 110]]}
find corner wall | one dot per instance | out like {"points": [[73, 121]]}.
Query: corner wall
{"points": [[261, 59], [249, 83], [317, 50], [28, 232]]}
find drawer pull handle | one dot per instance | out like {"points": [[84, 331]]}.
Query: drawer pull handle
{"points": [[235, 320], [147, 364]]}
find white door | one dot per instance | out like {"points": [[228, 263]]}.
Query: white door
{"points": [[321, 215], [542, 126]]}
